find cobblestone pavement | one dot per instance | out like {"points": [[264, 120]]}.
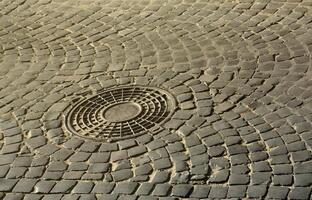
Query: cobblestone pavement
{"points": [[239, 73]]}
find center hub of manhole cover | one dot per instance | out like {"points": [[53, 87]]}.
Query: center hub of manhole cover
{"points": [[120, 113]]}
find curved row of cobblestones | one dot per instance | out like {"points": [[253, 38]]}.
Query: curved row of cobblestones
{"points": [[239, 70]]}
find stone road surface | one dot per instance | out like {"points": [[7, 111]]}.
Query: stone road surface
{"points": [[240, 71]]}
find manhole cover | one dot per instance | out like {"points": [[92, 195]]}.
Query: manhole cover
{"points": [[120, 113]]}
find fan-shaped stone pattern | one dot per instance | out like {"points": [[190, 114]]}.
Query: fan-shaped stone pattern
{"points": [[120, 113], [239, 70]]}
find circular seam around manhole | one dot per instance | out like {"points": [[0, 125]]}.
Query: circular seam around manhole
{"points": [[120, 113]]}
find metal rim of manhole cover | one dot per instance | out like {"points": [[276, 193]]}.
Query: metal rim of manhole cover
{"points": [[120, 113]]}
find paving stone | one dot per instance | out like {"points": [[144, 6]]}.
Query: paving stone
{"points": [[302, 168], [78, 166], [119, 155], [108, 196], [162, 190], [33, 196], [122, 175], [220, 177], [99, 157], [44, 186], [7, 185], [87, 197], [200, 191], [103, 188], [260, 178], [256, 191], [147, 198], [64, 186], [125, 188], [218, 192], [162, 164], [25, 185], [79, 157], [238, 191], [182, 190], [99, 168], [282, 180], [277, 192], [145, 189], [14, 196], [238, 179], [161, 177], [16, 172], [83, 187], [52, 196], [300, 193], [303, 180]]}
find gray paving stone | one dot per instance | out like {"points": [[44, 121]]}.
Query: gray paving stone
{"points": [[99, 157], [237, 191], [303, 180], [33, 196], [162, 190], [13, 196], [238, 179], [122, 175], [161, 177], [283, 180], [182, 190], [16, 172], [52, 196], [119, 155], [218, 192], [277, 192], [200, 191], [256, 191], [108, 196], [70, 197], [83, 187], [125, 188], [145, 189], [7, 184], [162, 164], [24, 185], [103, 188], [44, 186], [300, 193], [64, 186]]}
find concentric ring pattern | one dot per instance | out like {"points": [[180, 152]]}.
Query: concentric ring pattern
{"points": [[120, 113], [239, 70]]}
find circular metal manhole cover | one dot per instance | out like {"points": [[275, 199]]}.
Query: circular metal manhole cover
{"points": [[120, 113]]}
